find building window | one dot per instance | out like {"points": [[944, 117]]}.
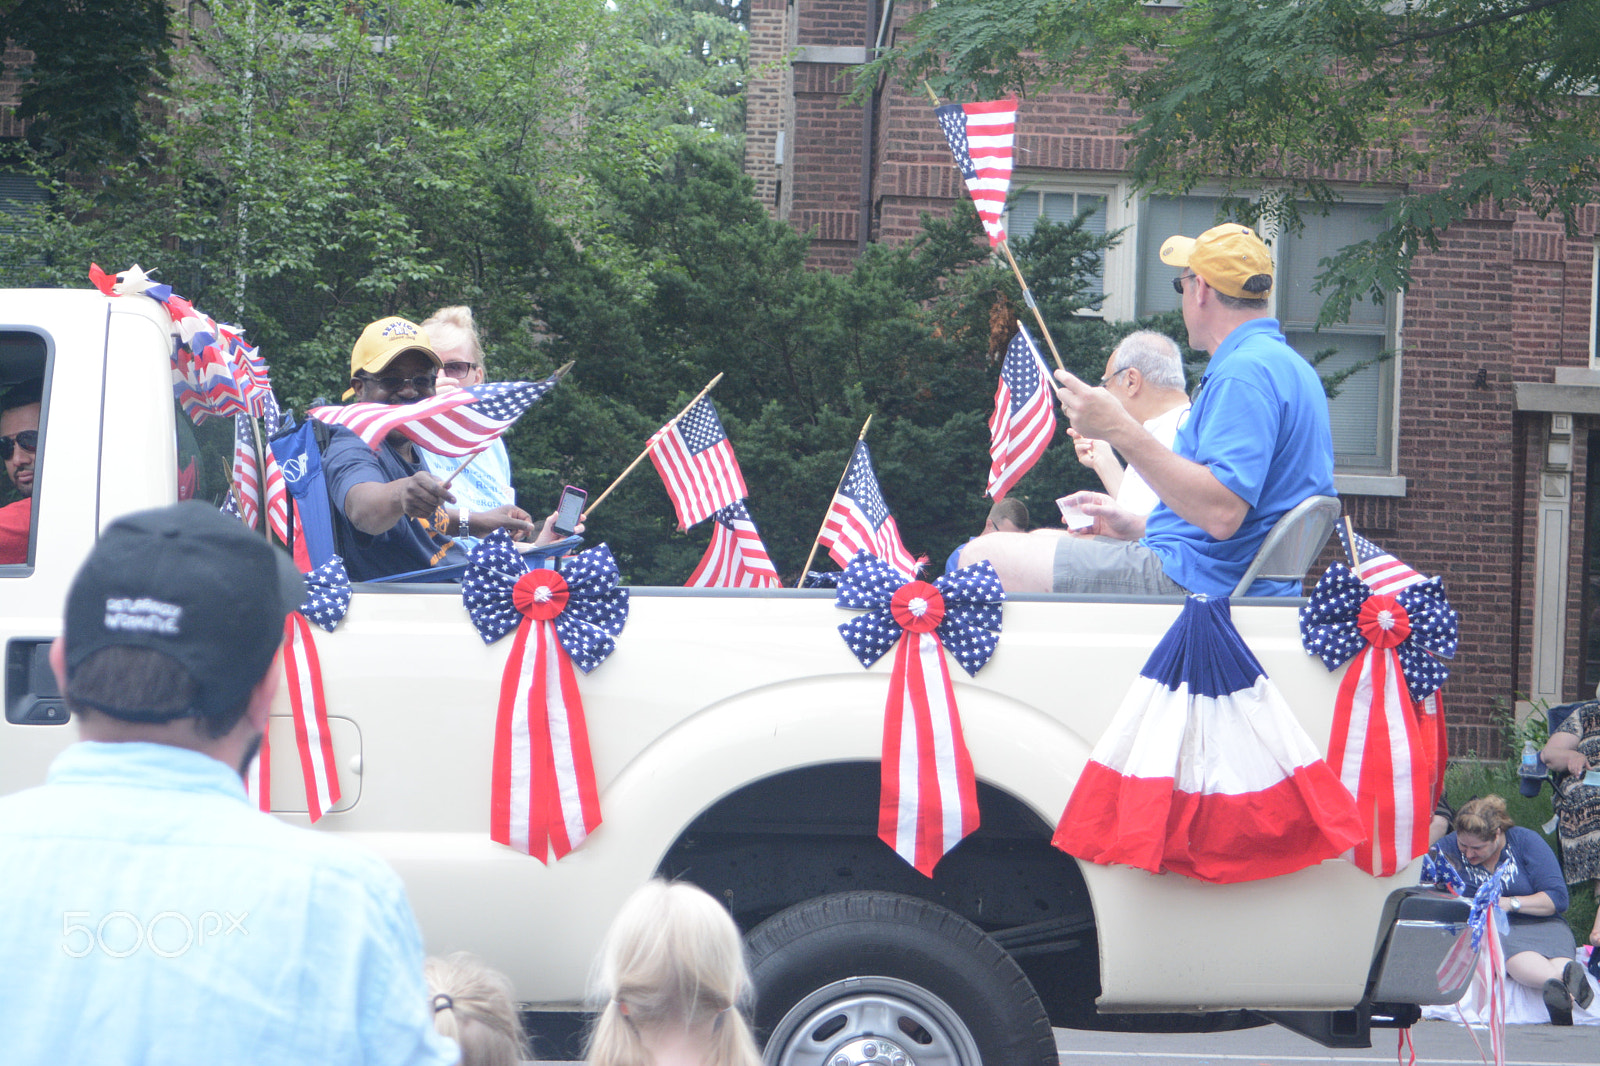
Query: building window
{"points": [[1031, 204], [1594, 309]]}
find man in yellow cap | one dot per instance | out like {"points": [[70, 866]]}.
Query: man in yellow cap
{"points": [[1257, 443], [389, 512]]}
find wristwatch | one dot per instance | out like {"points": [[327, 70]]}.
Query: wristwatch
{"points": [[463, 522], [1516, 904]]}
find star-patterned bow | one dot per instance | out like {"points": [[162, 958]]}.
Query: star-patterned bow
{"points": [[928, 801], [543, 793], [1344, 616], [327, 600], [1382, 740]]}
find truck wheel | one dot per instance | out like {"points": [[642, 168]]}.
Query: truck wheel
{"points": [[878, 979]]}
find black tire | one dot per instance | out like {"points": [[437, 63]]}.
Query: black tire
{"points": [[837, 975]]}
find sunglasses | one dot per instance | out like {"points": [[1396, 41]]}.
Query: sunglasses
{"points": [[458, 370], [1177, 282], [394, 383], [27, 440]]}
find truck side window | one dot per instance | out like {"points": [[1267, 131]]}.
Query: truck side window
{"points": [[23, 365], [205, 458]]}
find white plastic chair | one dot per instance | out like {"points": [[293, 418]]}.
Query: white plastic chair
{"points": [[1293, 544]]}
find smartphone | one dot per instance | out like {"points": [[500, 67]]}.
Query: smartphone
{"points": [[569, 510]]}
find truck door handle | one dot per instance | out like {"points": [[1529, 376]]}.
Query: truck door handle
{"points": [[32, 697]]}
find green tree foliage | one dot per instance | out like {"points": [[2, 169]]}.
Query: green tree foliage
{"points": [[1460, 103], [525, 158], [94, 62]]}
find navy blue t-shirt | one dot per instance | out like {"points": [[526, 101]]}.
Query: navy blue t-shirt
{"points": [[411, 543]]}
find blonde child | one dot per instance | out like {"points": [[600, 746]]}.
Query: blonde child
{"points": [[672, 979], [477, 1008]]}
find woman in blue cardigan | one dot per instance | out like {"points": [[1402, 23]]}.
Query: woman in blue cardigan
{"points": [[1539, 948]]}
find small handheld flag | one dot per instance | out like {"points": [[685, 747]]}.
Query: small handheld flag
{"points": [[982, 138]]}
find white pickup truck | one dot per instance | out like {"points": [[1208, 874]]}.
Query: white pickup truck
{"points": [[736, 743]]}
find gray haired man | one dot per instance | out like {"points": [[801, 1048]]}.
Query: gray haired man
{"points": [[1145, 374]]}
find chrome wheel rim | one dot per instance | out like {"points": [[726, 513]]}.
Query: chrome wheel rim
{"points": [[871, 1021]]}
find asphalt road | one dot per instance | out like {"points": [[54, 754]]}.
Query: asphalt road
{"points": [[1436, 1044]]}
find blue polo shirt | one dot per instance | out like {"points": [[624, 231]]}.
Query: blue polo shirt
{"points": [[1260, 424], [152, 915]]}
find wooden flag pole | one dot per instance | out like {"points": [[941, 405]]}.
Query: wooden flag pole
{"points": [[464, 464], [1349, 541], [1027, 297], [590, 509], [804, 570]]}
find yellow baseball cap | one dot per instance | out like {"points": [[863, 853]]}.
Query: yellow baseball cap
{"points": [[382, 341], [1231, 258]]}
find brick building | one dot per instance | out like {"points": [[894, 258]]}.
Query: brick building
{"points": [[1466, 454]]}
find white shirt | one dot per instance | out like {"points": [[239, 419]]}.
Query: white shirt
{"points": [[1135, 495]]}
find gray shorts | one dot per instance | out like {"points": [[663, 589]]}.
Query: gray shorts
{"points": [[1108, 565]]}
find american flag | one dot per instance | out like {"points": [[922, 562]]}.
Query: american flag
{"points": [[696, 463], [1381, 571], [1024, 418], [456, 422], [246, 495], [859, 520], [735, 558], [982, 138]]}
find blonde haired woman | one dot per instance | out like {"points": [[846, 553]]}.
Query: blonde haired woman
{"points": [[485, 483], [477, 1008], [672, 978]]}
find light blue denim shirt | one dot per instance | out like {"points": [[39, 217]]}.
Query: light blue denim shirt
{"points": [[149, 914]]}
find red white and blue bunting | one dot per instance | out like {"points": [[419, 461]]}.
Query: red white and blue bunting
{"points": [[928, 800], [1384, 740], [214, 372], [543, 794], [1204, 770]]}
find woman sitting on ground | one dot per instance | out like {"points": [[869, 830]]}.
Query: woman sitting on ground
{"points": [[672, 978], [1539, 948]]}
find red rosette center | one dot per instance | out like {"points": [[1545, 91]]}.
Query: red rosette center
{"points": [[1383, 621], [918, 607], [540, 594]]}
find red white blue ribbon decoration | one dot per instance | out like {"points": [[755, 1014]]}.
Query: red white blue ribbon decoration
{"points": [[928, 801], [1478, 949], [326, 603], [1204, 770], [214, 372], [1394, 643], [543, 794]]}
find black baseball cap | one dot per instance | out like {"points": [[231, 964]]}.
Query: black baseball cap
{"points": [[192, 583]]}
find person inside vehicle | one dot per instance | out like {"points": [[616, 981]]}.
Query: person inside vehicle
{"points": [[1539, 947], [19, 449], [1145, 374], [387, 505], [1256, 444], [198, 929], [484, 483], [1008, 515], [671, 983]]}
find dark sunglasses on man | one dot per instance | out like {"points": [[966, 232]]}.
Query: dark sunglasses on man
{"points": [[394, 383], [27, 440]]}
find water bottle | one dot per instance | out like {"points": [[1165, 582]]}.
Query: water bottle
{"points": [[1532, 772]]}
